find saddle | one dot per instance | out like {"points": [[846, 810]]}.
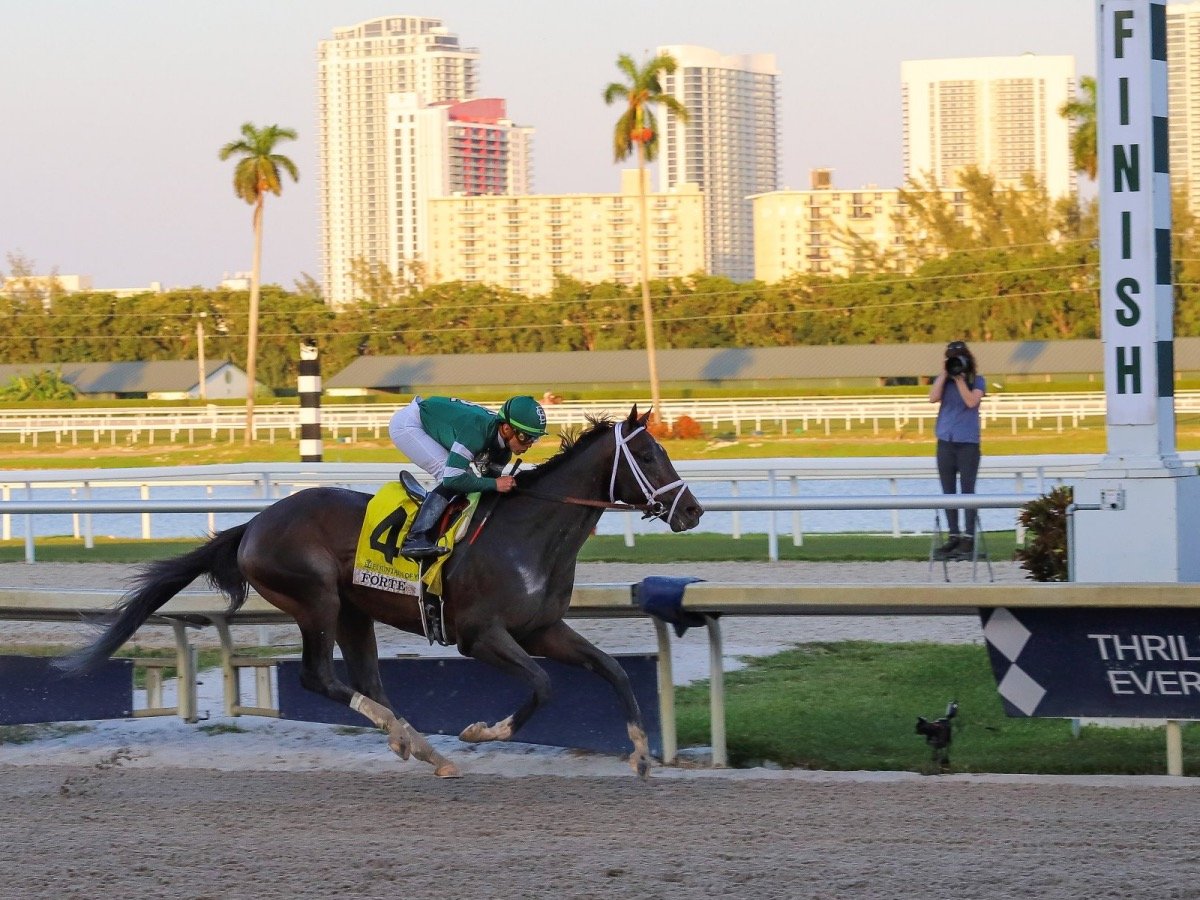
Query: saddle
{"points": [[412, 487], [377, 561]]}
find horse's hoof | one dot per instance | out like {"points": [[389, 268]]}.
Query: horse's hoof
{"points": [[447, 770], [401, 747], [473, 734], [641, 765]]}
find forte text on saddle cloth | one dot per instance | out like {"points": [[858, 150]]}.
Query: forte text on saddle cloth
{"points": [[377, 560]]}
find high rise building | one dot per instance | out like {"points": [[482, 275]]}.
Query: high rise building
{"points": [[488, 153], [997, 113], [1183, 98], [729, 145], [373, 81]]}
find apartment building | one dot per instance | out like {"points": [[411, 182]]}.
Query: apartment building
{"points": [[729, 146], [997, 113], [522, 242], [373, 79], [832, 231]]}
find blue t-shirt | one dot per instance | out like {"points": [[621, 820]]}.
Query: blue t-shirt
{"points": [[956, 421]]}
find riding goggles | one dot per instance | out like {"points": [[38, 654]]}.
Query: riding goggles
{"points": [[524, 437]]}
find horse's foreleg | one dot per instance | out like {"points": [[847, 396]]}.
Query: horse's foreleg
{"points": [[562, 643], [497, 648]]}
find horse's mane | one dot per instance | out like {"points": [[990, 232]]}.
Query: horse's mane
{"points": [[572, 442]]}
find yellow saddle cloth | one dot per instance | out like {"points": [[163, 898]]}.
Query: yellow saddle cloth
{"points": [[377, 560]]}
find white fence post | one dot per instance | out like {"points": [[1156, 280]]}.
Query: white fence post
{"points": [[894, 487], [89, 536], [772, 530], [735, 516], [145, 494], [29, 526], [797, 525]]}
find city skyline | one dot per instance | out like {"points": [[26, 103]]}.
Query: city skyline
{"points": [[111, 169]]}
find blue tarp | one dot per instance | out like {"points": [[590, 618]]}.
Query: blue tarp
{"points": [[662, 597]]}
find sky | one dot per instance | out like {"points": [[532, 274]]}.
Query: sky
{"points": [[113, 111]]}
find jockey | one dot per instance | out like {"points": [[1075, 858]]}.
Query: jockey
{"points": [[445, 436]]}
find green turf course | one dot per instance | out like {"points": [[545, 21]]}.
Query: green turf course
{"points": [[853, 705], [649, 549]]}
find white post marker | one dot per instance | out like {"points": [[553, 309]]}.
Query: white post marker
{"points": [[1138, 512]]}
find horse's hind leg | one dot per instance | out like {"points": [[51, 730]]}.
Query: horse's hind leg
{"points": [[562, 643], [317, 629], [360, 652], [497, 648]]}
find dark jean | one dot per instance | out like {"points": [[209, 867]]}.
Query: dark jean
{"points": [[958, 462]]}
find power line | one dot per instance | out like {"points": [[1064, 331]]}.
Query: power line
{"points": [[759, 294], [600, 324]]}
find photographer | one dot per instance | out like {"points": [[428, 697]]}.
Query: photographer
{"points": [[959, 388]]}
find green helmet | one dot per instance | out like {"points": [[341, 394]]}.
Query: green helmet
{"points": [[524, 414]]}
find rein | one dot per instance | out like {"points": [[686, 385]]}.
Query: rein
{"points": [[581, 501], [650, 509]]}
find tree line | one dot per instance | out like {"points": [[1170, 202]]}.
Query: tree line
{"points": [[993, 264]]}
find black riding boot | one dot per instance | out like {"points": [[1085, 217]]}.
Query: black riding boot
{"points": [[421, 542]]}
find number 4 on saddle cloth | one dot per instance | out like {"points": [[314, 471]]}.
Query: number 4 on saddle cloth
{"points": [[377, 560]]}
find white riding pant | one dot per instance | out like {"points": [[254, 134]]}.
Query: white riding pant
{"points": [[409, 436]]}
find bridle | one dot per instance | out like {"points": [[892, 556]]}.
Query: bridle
{"points": [[652, 508]]}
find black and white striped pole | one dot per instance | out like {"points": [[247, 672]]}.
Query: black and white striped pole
{"points": [[311, 449]]}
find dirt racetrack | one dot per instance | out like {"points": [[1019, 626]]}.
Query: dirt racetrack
{"points": [[107, 831], [155, 808]]}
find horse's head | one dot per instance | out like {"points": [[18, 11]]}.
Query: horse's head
{"points": [[643, 475]]}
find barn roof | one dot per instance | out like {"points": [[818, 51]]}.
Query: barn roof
{"points": [[120, 377], [731, 364]]}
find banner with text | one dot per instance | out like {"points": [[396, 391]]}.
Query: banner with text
{"points": [[1119, 663]]}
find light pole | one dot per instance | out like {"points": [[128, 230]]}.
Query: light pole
{"points": [[202, 374]]}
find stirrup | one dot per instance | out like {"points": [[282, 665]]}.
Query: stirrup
{"points": [[433, 612], [423, 548]]}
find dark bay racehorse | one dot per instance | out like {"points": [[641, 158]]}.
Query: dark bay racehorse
{"points": [[505, 594]]}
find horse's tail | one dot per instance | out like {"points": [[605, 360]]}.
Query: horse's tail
{"points": [[155, 584]]}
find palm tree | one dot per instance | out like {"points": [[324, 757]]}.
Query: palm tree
{"points": [[256, 172], [1082, 111], [636, 128]]}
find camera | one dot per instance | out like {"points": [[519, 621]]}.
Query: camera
{"points": [[957, 365]]}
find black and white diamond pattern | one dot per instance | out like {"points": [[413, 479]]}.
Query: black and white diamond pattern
{"points": [[1006, 633]]}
